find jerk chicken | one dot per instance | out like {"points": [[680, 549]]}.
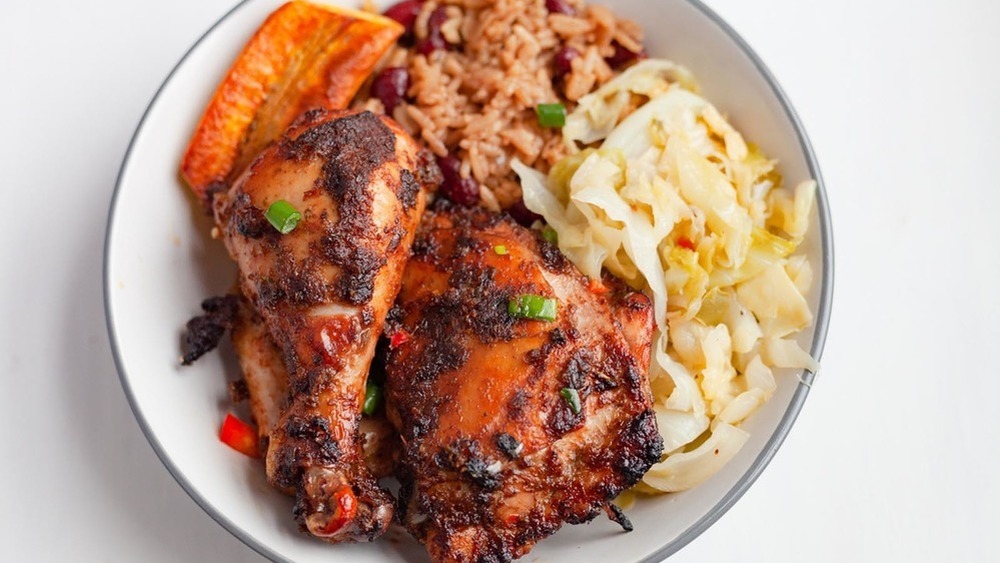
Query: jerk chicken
{"points": [[265, 385], [512, 421], [264, 373], [323, 291]]}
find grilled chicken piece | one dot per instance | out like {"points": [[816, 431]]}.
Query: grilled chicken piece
{"points": [[263, 369], [303, 56], [495, 455], [323, 291], [266, 381]]}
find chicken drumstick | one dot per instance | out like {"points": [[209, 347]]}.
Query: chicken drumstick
{"points": [[323, 291]]}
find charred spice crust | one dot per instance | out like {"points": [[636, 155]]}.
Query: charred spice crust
{"points": [[205, 331], [488, 490]]}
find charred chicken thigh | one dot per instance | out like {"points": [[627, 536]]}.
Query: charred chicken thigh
{"points": [[323, 291], [518, 385]]}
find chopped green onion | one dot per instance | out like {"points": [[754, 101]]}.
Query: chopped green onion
{"points": [[283, 216], [550, 234], [532, 307], [500, 249], [572, 398], [551, 115], [373, 398]]}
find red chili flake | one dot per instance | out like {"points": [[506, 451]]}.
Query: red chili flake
{"points": [[344, 509], [398, 338], [597, 287], [685, 242]]}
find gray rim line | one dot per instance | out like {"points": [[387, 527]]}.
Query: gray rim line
{"points": [[748, 478]]}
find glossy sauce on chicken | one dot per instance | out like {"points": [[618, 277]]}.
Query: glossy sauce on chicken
{"points": [[495, 455], [323, 291]]}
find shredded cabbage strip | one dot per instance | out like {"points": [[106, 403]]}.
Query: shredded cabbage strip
{"points": [[677, 204]]}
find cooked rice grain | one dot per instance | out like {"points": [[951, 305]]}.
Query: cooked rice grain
{"points": [[477, 102]]}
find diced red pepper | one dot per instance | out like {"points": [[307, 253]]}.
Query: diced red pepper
{"points": [[345, 507], [398, 338], [239, 435], [685, 242]]}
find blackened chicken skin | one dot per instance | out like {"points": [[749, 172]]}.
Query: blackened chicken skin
{"points": [[495, 457], [323, 291], [265, 381]]}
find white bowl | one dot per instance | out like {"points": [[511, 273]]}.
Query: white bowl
{"points": [[160, 263]]}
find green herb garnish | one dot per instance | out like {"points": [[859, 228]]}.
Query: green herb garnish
{"points": [[534, 307], [283, 216], [572, 398], [551, 115], [373, 398], [550, 234]]}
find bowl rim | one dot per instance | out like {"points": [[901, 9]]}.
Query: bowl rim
{"points": [[731, 497]]}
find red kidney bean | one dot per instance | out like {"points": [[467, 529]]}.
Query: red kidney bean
{"points": [[435, 39], [623, 56], [562, 63], [463, 191], [390, 87], [559, 7], [524, 216], [405, 13], [451, 167]]}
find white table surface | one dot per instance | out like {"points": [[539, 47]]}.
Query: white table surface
{"points": [[895, 456]]}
